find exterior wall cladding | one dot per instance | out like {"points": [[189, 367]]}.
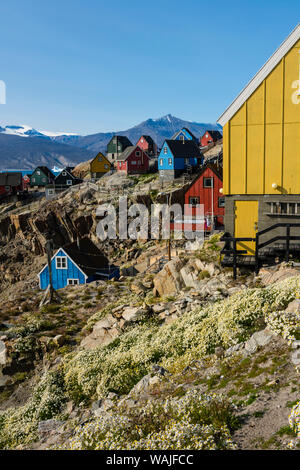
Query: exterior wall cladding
{"points": [[265, 218]]}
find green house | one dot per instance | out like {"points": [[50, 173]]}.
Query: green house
{"points": [[41, 177], [116, 146]]}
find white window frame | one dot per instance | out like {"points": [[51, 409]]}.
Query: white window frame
{"points": [[69, 182], [137, 153], [165, 150], [161, 161], [51, 192], [72, 282], [170, 161], [60, 264], [64, 173], [208, 178]]}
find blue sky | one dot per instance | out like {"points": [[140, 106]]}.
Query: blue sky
{"points": [[93, 65]]}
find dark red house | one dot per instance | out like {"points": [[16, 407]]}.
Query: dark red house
{"points": [[10, 183], [210, 137], [147, 144], [205, 189], [133, 161]]}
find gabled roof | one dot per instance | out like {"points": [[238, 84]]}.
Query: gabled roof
{"points": [[212, 167], [122, 139], [184, 129], [11, 179], [45, 170], [128, 151], [68, 170], [260, 76], [87, 256], [148, 138], [100, 154], [216, 135], [185, 149]]}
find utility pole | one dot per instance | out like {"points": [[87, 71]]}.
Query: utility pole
{"points": [[53, 295]]}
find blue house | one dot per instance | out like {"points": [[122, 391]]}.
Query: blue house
{"points": [[185, 134], [177, 157], [80, 262]]}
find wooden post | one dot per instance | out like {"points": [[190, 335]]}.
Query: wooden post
{"points": [[234, 260], [288, 232], [53, 295], [48, 247]]}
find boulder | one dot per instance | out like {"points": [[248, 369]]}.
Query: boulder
{"points": [[132, 314], [169, 281], [295, 357], [258, 339], [99, 337], [3, 354], [48, 427], [293, 307]]}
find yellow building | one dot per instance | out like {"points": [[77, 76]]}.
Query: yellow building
{"points": [[99, 166], [261, 161]]}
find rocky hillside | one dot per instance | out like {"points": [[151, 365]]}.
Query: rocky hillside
{"points": [[179, 356]]}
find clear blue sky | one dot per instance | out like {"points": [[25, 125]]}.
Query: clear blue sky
{"points": [[92, 65]]}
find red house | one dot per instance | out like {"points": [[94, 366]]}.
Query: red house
{"points": [[133, 161], [10, 183], [147, 144], [210, 137], [205, 189]]}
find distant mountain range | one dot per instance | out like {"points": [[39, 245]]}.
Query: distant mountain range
{"points": [[25, 147]]}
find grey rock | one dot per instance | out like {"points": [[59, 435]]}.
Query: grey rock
{"points": [[294, 306], [49, 426], [296, 344], [295, 357]]}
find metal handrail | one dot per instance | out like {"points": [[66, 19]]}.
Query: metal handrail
{"points": [[287, 238]]}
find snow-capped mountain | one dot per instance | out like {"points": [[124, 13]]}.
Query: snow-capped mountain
{"points": [[159, 129], [62, 149], [27, 131]]}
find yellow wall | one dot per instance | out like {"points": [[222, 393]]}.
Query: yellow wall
{"points": [[262, 140], [98, 166]]}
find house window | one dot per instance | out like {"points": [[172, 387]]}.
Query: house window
{"points": [[170, 161], [33, 180], [73, 282], [221, 202], [142, 140], [99, 159], [133, 162], [38, 172], [137, 153], [64, 173], [165, 150], [208, 182], [193, 201], [69, 182], [161, 162], [7, 188], [106, 167], [61, 262], [285, 208], [182, 138], [113, 156], [44, 180], [50, 192]]}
